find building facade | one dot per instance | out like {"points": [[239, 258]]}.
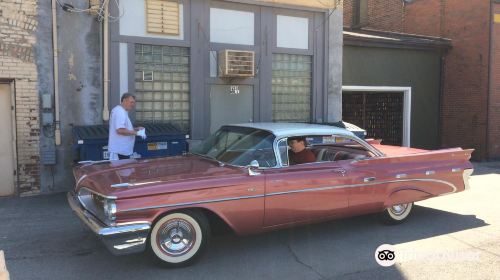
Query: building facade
{"points": [[469, 102], [173, 56], [392, 86]]}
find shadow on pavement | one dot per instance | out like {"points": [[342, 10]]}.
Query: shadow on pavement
{"points": [[485, 168], [42, 233], [338, 249]]}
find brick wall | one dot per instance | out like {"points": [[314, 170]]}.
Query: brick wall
{"points": [[424, 17], [464, 103], [494, 101], [465, 89], [382, 14], [17, 25]]}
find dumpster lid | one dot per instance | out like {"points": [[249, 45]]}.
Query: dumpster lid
{"points": [[94, 132]]}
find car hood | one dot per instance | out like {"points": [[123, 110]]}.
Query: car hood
{"points": [[132, 178]]}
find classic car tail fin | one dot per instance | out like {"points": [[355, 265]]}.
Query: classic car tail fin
{"points": [[454, 154]]}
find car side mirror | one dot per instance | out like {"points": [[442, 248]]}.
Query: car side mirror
{"points": [[252, 167], [254, 164]]}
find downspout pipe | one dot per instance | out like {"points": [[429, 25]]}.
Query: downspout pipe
{"points": [[56, 73], [105, 109]]}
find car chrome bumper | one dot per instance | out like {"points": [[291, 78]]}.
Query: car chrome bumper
{"points": [[120, 240], [466, 176]]}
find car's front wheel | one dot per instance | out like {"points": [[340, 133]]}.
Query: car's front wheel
{"points": [[178, 238], [396, 214]]}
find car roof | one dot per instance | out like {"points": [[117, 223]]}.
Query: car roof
{"points": [[297, 129]]}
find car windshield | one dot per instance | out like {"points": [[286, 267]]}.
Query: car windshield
{"points": [[239, 146]]}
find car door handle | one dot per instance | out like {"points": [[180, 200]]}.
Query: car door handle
{"points": [[369, 179], [339, 170]]}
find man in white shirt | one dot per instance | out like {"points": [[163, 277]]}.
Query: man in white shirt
{"points": [[121, 132]]}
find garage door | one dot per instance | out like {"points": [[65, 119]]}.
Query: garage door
{"points": [[380, 113], [6, 137]]}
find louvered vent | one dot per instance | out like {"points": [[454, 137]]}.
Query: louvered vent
{"points": [[163, 16], [236, 63]]}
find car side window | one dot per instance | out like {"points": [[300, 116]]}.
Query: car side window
{"points": [[283, 151], [337, 148]]}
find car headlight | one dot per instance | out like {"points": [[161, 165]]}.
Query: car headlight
{"points": [[104, 208], [110, 209]]}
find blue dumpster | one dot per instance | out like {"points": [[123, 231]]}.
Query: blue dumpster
{"points": [[163, 139]]}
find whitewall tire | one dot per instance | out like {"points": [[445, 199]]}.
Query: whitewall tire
{"points": [[397, 214], [178, 238]]}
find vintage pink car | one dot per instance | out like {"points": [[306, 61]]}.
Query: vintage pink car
{"points": [[242, 176]]}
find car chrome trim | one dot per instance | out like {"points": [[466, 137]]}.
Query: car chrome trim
{"points": [[430, 172], [121, 185], [120, 240], [366, 184], [452, 186], [402, 175], [192, 203], [99, 194], [81, 179], [91, 162], [466, 176], [369, 179], [456, 169]]}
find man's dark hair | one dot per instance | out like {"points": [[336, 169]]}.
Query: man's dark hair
{"points": [[298, 138], [127, 95]]}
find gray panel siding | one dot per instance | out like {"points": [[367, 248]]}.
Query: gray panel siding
{"points": [[419, 70], [197, 31]]}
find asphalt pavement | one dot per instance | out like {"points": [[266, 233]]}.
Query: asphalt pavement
{"points": [[449, 237]]}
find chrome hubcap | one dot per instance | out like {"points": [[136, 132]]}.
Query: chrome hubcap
{"points": [[176, 237], [398, 209]]}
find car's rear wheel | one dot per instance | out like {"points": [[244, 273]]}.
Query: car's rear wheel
{"points": [[396, 214], [178, 238]]}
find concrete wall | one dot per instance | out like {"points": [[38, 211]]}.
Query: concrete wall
{"points": [[335, 50], [80, 86], [419, 70], [26, 57]]}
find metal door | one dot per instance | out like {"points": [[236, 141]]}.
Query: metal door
{"points": [[305, 192], [7, 166], [230, 104]]}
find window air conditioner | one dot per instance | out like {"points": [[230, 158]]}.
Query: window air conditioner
{"points": [[234, 63]]}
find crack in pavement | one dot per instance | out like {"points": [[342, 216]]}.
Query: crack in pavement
{"points": [[297, 260], [475, 247]]}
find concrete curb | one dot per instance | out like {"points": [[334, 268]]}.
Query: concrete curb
{"points": [[4, 274]]}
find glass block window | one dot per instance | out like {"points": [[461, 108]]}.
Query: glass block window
{"points": [[291, 87], [162, 84]]}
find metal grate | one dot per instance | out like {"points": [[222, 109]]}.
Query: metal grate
{"points": [[162, 84], [291, 88], [379, 113]]}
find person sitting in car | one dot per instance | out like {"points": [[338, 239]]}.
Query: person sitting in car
{"points": [[298, 153]]}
